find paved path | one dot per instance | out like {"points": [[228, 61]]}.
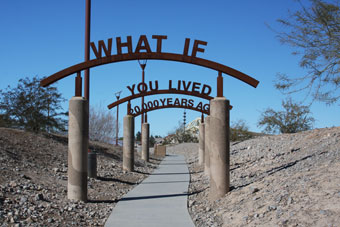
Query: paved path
{"points": [[160, 200]]}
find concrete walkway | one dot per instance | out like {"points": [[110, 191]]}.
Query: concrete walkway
{"points": [[160, 200]]}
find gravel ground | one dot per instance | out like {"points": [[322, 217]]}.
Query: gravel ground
{"points": [[282, 180], [33, 181]]}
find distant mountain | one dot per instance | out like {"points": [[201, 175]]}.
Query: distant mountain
{"points": [[193, 127]]}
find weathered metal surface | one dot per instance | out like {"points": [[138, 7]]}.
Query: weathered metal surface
{"points": [[142, 65], [151, 56], [78, 83], [117, 94], [219, 85], [158, 92], [190, 86], [128, 108], [87, 48], [170, 106]]}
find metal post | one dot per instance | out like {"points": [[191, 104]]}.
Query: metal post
{"points": [[117, 94], [143, 80], [78, 90], [87, 48], [128, 108], [220, 85], [117, 126], [142, 65], [184, 121]]}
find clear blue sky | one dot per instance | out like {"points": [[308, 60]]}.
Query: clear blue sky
{"points": [[42, 37]]}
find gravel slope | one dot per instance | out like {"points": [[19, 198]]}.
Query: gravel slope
{"points": [[282, 180], [33, 181]]}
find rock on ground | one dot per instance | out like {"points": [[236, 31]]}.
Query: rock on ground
{"points": [[280, 180], [33, 181]]}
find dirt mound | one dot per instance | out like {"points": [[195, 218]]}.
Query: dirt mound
{"points": [[33, 181], [282, 180]]}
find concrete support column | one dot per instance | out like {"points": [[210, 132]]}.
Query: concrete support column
{"points": [[206, 146], [128, 143], [155, 149], [78, 142], [145, 141], [219, 147], [201, 144]]}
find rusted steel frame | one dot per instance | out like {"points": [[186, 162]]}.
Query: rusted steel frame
{"points": [[152, 56], [143, 78], [117, 125], [219, 85], [128, 111], [170, 106], [87, 48], [78, 82], [158, 92]]}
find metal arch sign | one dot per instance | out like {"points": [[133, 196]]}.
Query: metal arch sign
{"points": [[164, 103], [181, 87], [143, 50], [159, 92]]}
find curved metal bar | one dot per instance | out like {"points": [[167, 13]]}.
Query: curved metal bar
{"points": [[171, 106], [151, 56], [158, 92]]}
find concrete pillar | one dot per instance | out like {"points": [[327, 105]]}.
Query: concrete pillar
{"points": [[206, 146], [219, 147], [128, 143], [145, 141], [78, 142], [201, 144], [155, 149]]}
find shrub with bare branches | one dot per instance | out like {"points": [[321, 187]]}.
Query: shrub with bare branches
{"points": [[102, 124]]}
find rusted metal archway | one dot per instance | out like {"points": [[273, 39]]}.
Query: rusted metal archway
{"points": [[171, 106], [157, 92], [151, 56]]}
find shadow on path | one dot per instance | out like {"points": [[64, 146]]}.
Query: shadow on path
{"points": [[161, 196], [163, 182], [116, 180], [167, 173], [102, 201]]}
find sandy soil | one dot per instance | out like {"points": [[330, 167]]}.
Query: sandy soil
{"points": [[33, 181], [282, 180]]}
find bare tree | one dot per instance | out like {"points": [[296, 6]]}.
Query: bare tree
{"points": [[239, 131], [102, 124], [314, 32]]}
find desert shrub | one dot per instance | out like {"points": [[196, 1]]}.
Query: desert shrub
{"points": [[239, 131], [293, 118]]}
